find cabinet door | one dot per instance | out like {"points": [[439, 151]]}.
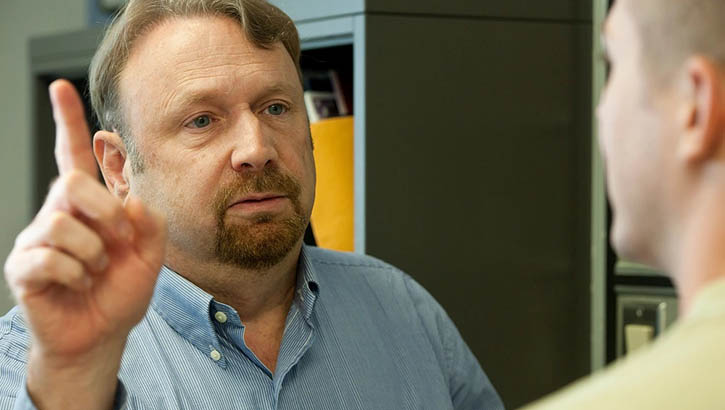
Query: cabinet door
{"points": [[478, 138], [549, 9], [300, 10]]}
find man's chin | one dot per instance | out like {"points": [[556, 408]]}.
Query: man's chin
{"points": [[259, 245]]}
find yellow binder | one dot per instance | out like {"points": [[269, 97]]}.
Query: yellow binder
{"points": [[332, 215]]}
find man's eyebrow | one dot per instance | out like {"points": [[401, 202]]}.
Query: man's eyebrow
{"points": [[194, 97], [207, 96], [177, 104], [279, 88]]}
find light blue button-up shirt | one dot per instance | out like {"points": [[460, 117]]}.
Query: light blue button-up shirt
{"points": [[360, 334]]}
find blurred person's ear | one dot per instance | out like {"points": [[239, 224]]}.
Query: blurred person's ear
{"points": [[703, 131]]}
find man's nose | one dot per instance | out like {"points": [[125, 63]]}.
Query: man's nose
{"points": [[254, 147]]}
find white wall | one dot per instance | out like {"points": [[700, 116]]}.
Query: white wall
{"points": [[21, 20]]}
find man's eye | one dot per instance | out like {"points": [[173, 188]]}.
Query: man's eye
{"points": [[276, 109], [201, 121]]}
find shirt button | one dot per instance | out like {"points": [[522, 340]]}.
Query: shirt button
{"points": [[220, 317], [215, 355]]}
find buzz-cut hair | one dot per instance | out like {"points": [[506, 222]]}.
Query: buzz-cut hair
{"points": [[672, 31]]}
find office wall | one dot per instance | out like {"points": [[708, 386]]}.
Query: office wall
{"points": [[21, 20]]}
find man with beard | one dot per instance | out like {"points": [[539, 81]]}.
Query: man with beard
{"points": [[662, 134], [204, 130]]}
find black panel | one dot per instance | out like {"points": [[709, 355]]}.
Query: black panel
{"points": [[478, 169], [512, 9]]}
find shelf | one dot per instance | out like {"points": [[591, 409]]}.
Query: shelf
{"points": [[625, 268]]}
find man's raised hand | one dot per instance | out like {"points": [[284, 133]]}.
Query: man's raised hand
{"points": [[83, 271]]}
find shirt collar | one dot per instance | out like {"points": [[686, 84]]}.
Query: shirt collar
{"points": [[308, 285], [187, 308]]}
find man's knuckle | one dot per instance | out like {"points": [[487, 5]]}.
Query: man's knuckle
{"points": [[22, 237], [93, 249], [73, 180], [9, 267], [114, 210], [45, 260], [57, 223]]}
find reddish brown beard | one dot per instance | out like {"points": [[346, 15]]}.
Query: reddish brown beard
{"points": [[267, 239]]}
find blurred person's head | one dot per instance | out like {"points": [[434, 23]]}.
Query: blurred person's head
{"points": [[202, 115], [662, 123]]}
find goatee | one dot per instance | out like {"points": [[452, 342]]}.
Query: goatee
{"points": [[267, 238]]}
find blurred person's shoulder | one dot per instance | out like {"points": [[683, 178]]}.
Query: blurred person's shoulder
{"points": [[681, 369]]}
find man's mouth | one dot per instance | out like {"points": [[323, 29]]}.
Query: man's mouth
{"points": [[261, 202]]}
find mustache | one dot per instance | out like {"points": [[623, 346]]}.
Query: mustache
{"points": [[269, 180]]}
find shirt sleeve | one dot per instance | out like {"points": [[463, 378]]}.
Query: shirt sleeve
{"points": [[469, 387], [14, 345], [23, 401]]}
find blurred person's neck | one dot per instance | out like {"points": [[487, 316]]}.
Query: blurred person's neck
{"points": [[699, 258]]}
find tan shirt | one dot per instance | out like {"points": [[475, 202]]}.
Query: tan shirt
{"points": [[683, 369]]}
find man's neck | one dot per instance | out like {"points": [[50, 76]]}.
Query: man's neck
{"points": [[254, 294], [262, 298]]}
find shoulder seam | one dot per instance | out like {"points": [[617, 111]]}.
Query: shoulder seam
{"points": [[10, 328], [14, 345], [355, 265]]}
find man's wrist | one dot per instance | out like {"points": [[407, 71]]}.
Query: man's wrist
{"points": [[87, 380]]}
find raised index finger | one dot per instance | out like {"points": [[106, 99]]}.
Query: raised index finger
{"points": [[72, 137]]}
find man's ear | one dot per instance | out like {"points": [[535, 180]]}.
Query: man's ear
{"points": [[703, 128], [110, 153]]}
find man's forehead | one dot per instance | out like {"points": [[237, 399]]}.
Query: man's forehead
{"points": [[190, 37], [197, 56], [187, 44]]}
